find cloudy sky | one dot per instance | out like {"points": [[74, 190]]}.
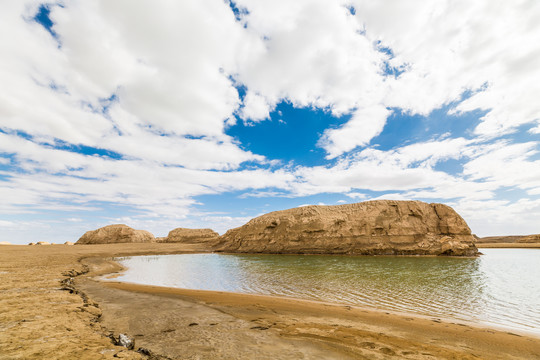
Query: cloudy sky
{"points": [[205, 113]]}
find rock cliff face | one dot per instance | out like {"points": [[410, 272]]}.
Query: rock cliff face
{"points": [[382, 227], [113, 234], [191, 236]]}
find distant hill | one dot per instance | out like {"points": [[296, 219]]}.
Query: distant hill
{"points": [[522, 239]]}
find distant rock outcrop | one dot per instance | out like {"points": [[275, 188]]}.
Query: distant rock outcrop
{"points": [[69, 243], [530, 239], [513, 239], [43, 243], [114, 234], [191, 236], [381, 227], [5, 243]]}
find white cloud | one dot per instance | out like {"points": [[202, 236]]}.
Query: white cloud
{"points": [[498, 217], [111, 49], [356, 195], [256, 108], [408, 168], [315, 55], [535, 130], [155, 87], [51, 176], [486, 46], [507, 165], [261, 194], [364, 125], [5, 224]]}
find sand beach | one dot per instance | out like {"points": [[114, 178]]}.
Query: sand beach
{"points": [[52, 307]]}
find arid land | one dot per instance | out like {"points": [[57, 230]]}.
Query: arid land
{"points": [[51, 307], [508, 245]]}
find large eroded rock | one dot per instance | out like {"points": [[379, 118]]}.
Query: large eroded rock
{"points": [[191, 236], [381, 227], [113, 234]]}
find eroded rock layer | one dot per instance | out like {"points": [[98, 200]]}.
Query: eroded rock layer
{"points": [[381, 227], [191, 236], [114, 234]]}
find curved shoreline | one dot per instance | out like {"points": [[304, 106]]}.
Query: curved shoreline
{"points": [[57, 324], [215, 294]]}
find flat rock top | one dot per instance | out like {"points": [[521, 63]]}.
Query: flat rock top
{"points": [[118, 233]]}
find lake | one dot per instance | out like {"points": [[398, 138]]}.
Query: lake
{"points": [[500, 288]]}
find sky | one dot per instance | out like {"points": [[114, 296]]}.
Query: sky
{"points": [[206, 113]]}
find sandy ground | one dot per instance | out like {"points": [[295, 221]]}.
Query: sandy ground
{"points": [[40, 318], [508, 245]]}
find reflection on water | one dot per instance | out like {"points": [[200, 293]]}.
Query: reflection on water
{"points": [[501, 287]]}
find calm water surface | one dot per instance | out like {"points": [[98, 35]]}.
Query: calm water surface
{"points": [[500, 288]]}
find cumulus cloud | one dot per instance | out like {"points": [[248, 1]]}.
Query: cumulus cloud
{"points": [[507, 165], [364, 125], [255, 108], [485, 47], [129, 103], [314, 55], [126, 78]]}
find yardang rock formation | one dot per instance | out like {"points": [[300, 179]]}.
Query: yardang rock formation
{"points": [[113, 234], [381, 227], [191, 236]]}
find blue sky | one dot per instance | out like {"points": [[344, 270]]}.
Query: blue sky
{"points": [[170, 114]]}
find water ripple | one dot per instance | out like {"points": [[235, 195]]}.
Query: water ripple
{"points": [[499, 288]]}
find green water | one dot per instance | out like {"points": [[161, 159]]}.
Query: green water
{"points": [[500, 288]]}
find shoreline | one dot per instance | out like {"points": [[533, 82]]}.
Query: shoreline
{"points": [[108, 280], [228, 325], [231, 298]]}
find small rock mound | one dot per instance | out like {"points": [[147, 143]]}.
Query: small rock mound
{"points": [[114, 234], [5, 243], [191, 236], [381, 227], [43, 243], [69, 243]]}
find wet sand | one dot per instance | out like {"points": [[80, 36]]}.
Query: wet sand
{"points": [[40, 320]]}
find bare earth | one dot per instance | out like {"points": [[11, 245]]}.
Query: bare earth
{"points": [[40, 320], [508, 245]]}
